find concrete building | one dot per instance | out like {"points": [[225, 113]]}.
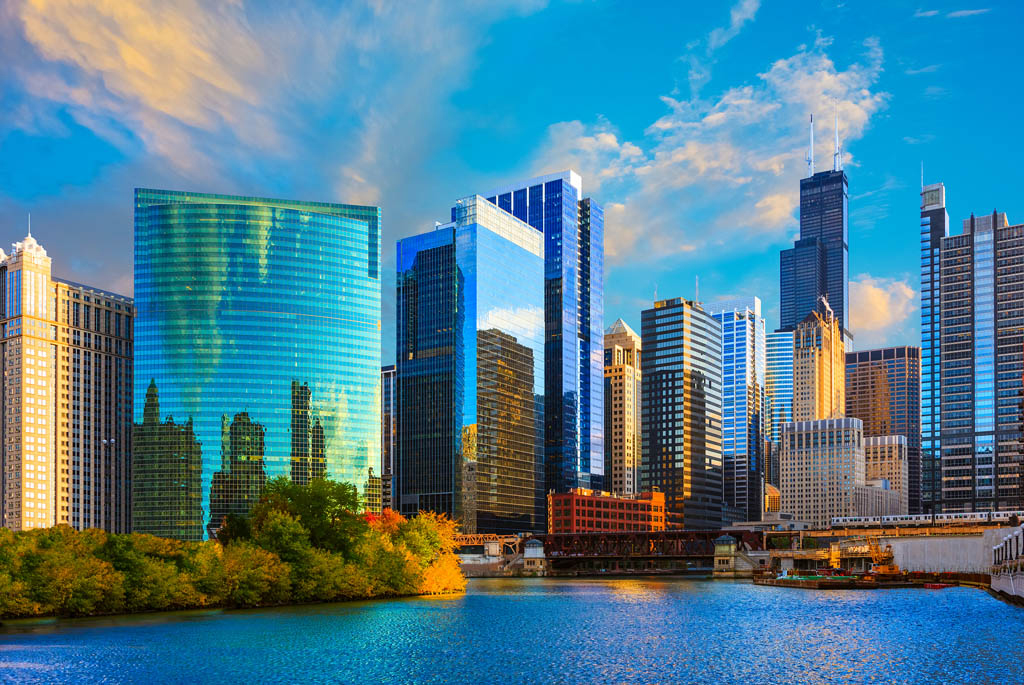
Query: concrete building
{"points": [[388, 433], [622, 391], [591, 511], [66, 351], [682, 410], [819, 369], [885, 458], [877, 498], [982, 339], [822, 468], [744, 423]]}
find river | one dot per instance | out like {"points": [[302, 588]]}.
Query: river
{"points": [[549, 630]]}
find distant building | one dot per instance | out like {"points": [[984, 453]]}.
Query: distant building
{"points": [[934, 227], [744, 423], [622, 394], [258, 352], [372, 493], [388, 433], [682, 410], [878, 498], [883, 390], [772, 499], [885, 458], [66, 350], [819, 369], [471, 371], [778, 396], [591, 511]]}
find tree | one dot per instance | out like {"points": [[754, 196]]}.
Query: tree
{"points": [[327, 509]]}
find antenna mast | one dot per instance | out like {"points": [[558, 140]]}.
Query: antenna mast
{"points": [[837, 156], [810, 151]]}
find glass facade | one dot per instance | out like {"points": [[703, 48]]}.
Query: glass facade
{"points": [[934, 227], [682, 410], [257, 352], [470, 369], [573, 228], [743, 404], [802, 281], [388, 433], [778, 395]]}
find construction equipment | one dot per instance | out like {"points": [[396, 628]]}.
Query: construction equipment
{"points": [[883, 565]]}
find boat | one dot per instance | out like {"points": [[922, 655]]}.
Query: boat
{"points": [[936, 586]]}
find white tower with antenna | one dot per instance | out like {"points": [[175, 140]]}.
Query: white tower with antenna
{"points": [[837, 156], [810, 151]]}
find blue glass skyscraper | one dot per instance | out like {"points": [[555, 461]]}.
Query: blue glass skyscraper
{"points": [[470, 371], [257, 352], [934, 227], [573, 228], [778, 395]]}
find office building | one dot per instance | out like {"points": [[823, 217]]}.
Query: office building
{"points": [[622, 390], [573, 230], [471, 371], [66, 351], [934, 228], [388, 433], [743, 405], [682, 410], [883, 390], [802, 281], [885, 459], [982, 340], [819, 369], [593, 511], [258, 352], [778, 382]]}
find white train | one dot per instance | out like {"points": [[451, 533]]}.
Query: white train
{"points": [[926, 519]]}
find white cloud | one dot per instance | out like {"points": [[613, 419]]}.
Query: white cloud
{"points": [[880, 309], [525, 323], [931, 68], [967, 13], [926, 13], [742, 12], [700, 63]]}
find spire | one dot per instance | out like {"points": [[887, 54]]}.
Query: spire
{"points": [[810, 151], [837, 156], [30, 224], [922, 174]]}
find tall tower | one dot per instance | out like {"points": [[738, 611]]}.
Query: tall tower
{"points": [[622, 392], [819, 369], [934, 227]]}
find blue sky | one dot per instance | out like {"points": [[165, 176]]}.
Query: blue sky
{"points": [[686, 120]]}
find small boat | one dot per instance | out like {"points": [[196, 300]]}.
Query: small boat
{"points": [[936, 586]]}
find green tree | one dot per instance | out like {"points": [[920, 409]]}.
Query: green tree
{"points": [[327, 509]]}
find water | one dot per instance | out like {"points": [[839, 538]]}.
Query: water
{"points": [[549, 630]]}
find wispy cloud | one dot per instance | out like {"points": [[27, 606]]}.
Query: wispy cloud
{"points": [[919, 140], [926, 13], [935, 92], [701, 62], [967, 13], [931, 68], [742, 12]]}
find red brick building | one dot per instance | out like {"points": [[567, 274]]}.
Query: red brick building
{"points": [[592, 511]]}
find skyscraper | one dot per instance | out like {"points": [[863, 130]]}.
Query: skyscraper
{"points": [[934, 227], [819, 369], [470, 371], [885, 458], [743, 404], [982, 340], [883, 390], [66, 352], [622, 393], [573, 228], [388, 433], [778, 395], [258, 352], [682, 410], [803, 281]]}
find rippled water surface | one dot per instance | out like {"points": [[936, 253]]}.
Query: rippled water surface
{"points": [[547, 630]]}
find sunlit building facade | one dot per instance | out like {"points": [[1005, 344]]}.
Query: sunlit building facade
{"points": [[622, 391], [682, 410], [470, 371], [258, 352], [885, 459], [593, 511], [66, 352], [819, 369]]}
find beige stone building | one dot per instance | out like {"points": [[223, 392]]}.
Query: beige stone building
{"points": [[885, 458], [622, 383], [819, 369], [822, 464], [66, 352]]}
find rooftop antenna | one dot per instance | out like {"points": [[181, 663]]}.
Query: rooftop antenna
{"points": [[655, 292], [696, 289], [837, 156], [810, 151], [922, 174], [30, 224]]}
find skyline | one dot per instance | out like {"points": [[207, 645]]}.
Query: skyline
{"points": [[676, 138]]}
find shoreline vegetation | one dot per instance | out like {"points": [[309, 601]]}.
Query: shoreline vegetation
{"points": [[299, 545]]}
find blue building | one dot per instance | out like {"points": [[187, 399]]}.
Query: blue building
{"points": [[573, 228], [934, 227], [470, 370], [778, 396], [257, 352], [743, 406]]}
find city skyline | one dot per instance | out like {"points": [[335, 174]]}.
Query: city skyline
{"points": [[706, 128]]}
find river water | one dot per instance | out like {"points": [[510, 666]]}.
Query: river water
{"points": [[549, 630]]}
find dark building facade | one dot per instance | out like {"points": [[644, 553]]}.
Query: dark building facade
{"points": [[883, 390], [934, 228], [802, 281], [388, 433], [682, 410]]}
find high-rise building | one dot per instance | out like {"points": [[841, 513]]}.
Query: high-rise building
{"points": [[802, 281], [258, 352], [885, 458], [883, 390], [66, 352], [819, 368], [744, 422], [778, 381], [982, 340], [471, 371], [682, 410], [573, 229], [388, 433], [622, 392], [934, 227]]}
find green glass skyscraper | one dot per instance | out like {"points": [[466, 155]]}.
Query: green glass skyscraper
{"points": [[257, 352]]}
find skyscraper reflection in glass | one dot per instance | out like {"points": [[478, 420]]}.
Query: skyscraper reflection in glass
{"points": [[471, 371], [257, 352]]}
